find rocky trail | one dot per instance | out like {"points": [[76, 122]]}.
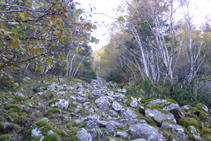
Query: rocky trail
{"points": [[72, 110]]}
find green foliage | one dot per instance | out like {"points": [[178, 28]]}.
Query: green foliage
{"points": [[24, 46], [90, 75], [115, 76]]}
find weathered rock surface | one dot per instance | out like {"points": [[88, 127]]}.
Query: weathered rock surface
{"points": [[116, 106], [83, 135], [175, 129], [145, 131], [159, 116], [102, 103]]}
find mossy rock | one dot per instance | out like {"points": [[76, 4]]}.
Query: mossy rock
{"points": [[46, 126], [169, 136], [5, 137], [156, 105], [191, 134], [52, 111], [51, 137], [53, 102], [199, 106], [13, 108], [189, 122], [147, 101], [204, 116], [20, 98], [17, 118], [171, 101]]}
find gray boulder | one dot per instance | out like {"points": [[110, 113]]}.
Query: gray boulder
{"points": [[112, 113], [96, 134], [116, 106], [159, 116], [88, 86], [128, 121], [80, 99], [145, 131], [175, 110], [91, 124], [134, 102], [83, 135], [123, 134], [102, 103], [110, 93], [69, 89], [129, 114], [175, 129], [111, 126], [96, 93]]}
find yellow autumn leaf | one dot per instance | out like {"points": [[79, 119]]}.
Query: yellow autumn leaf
{"points": [[64, 41], [63, 34], [16, 84], [50, 63], [14, 45], [60, 58], [37, 50], [41, 69], [23, 65]]}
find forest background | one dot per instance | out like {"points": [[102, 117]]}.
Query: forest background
{"points": [[150, 51]]}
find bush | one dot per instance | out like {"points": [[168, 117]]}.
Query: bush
{"points": [[90, 75], [115, 76]]}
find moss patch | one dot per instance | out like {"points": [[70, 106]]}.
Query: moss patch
{"points": [[52, 111], [13, 108], [46, 126], [17, 118], [5, 137], [189, 122], [51, 137]]}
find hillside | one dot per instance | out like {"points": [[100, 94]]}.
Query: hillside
{"points": [[70, 109]]}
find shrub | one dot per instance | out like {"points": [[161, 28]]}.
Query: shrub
{"points": [[90, 75]]}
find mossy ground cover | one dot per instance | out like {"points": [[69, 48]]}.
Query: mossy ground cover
{"points": [[46, 126], [13, 108]]}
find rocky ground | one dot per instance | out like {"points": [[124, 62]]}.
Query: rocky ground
{"points": [[71, 110]]}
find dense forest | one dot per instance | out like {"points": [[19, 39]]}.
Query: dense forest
{"points": [[164, 54]]}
